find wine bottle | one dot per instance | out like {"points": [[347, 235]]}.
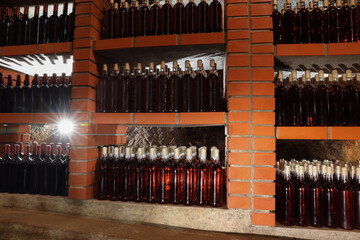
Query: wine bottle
{"points": [[189, 169], [34, 169], [71, 24], [130, 90], [164, 178], [15, 28], [115, 176], [14, 171], [204, 89], [165, 91], [68, 93], [178, 174], [153, 91], [357, 199], [308, 102], [109, 21], [117, 88], [64, 19], [294, 101], [54, 94], [36, 95], [197, 97], [287, 196], [101, 172], [351, 106], [54, 26], [3, 94], [179, 17], [316, 24], [151, 194], [175, 87], [9, 96], [277, 23], [345, 203], [355, 13], [62, 94], [5, 28], [215, 16], [140, 89], [44, 26], [123, 19], [191, 17], [55, 172], [155, 21], [64, 176], [28, 100], [143, 19], [289, 24], [5, 166], [186, 85], [336, 102], [217, 180], [45, 94], [345, 23], [166, 18], [132, 13], [19, 96]]}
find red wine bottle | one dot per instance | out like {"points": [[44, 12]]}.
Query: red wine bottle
{"points": [[152, 99], [63, 24], [277, 23], [14, 28], [5, 28], [345, 203], [64, 175], [19, 96], [140, 89], [34, 161], [179, 17], [2, 94], [164, 178], [71, 24], [289, 24], [54, 26], [54, 94], [36, 95], [322, 101], [5, 166], [357, 199], [115, 176], [68, 93], [132, 14], [155, 21], [55, 172], [24, 27], [308, 102], [143, 19], [129, 90], [189, 182], [14, 170], [116, 20], [202, 15], [28, 100], [351, 105], [165, 91], [214, 88], [167, 18], [24, 170], [215, 16], [191, 17], [196, 96], [336, 102], [186, 85], [44, 171], [345, 23], [109, 24], [123, 20], [45, 94], [62, 94], [316, 24], [117, 89], [44, 26], [9, 96], [355, 12], [175, 87]]}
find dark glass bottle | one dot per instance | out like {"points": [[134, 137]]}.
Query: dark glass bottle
{"points": [[24, 174], [130, 90], [101, 175], [153, 170], [55, 173], [191, 24], [355, 12], [144, 177], [294, 102], [217, 181], [308, 102], [198, 98], [165, 89], [175, 87], [154, 19], [203, 179], [321, 102], [54, 26], [24, 27], [132, 13], [141, 89], [5, 166], [351, 107], [109, 18], [315, 200], [123, 20], [44, 172], [19, 96], [5, 28], [3, 94], [280, 101], [179, 17], [277, 24], [178, 174], [331, 21], [14, 28], [62, 94], [143, 19], [132, 164], [71, 24], [9, 96], [189, 173], [34, 170], [301, 200], [117, 88], [36, 95], [336, 102], [45, 94], [153, 100], [100, 98], [44, 26], [166, 18], [164, 180], [28, 100], [215, 16], [64, 19], [289, 24], [287, 196], [140, 182], [316, 24], [54, 94], [115, 176], [345, 203], [203, 16], [14, 170], [120, 92], [303, 27], [125, 172], [357, 199], [68, 93], [109, 93], [186, 82], [64, 181], [329, 200], [345, 23], [204, 89]]}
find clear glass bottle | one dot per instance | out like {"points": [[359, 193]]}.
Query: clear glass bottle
{"points": [[315, 200], [203, 180], [345, 203], [178, 175], [217, 181], [189, 181], [164, 178], [329, 199], [357, 199], [287, 196]]}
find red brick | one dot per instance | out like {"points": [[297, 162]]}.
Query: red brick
{"points": [[314, 49], [239, 158], [236, 60], [84, 54], [240, 34], [263, 219], [265, 74], [261, 23], [239, 116], [86, 32], [81, 193], [239, 187], [239, 143], [239, 89], [237, 10], [264, 203], [264, 159], [239, 104], [268, 48], [155, 118], [264, 131], [236, 1], [82, 105], [84, 153], [262, 37], [84, 79], [83, 92], [262, 60], [87, 20], [264, 144], [85, 66], [238, 23], [84, 42], [82, 180], [264, 173], [238, 46], [239, 129], [238, 74], [263, 89], [261, 9], [82, 167], [263, 188], [263, 103], [264, 118]]}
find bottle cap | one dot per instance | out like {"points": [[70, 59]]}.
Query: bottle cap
{"points": [[338, 169], [274, 2], [323, 168], [199, 63], [307, 74], [116, 6], [334, 72], [127, 151], [187, 63], [121, 150], [116, 151], [175, 64], [280, 75], [162, 64], [126, 5], [288, 1], [330, 77], [326, 3], [212, 63], [287, 169], [315, 170], [151, 65], [321, 74], [329, 170], [294, 74], [153, 152], [352, 2], [311, 5], [104, 151], [338, 3], [348, 73], [138, 66], [298, 4], [139, 152], [127, 66], [301, 169], [358, 171], [116, 67], [111, 1], [105, 67], [177, 153], [188, 153], [164, 151], [358, 77], [344, 171]]}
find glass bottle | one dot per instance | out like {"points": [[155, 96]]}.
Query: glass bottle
{"points": [[280, 101], [329, 200], [217, 181], [331, 22], [101, 171], [198, 91], [143, 19], [132, 176], [6, 169], [345, 23], [321, 101], [350, 101], [62, 89], [55, 173], [301, 206], [44, 26], [289, 24], [132, 19], [315, 200], [303, 26], [336, 102], [154, 19], [140, 89], [316, 24], [64, 176], [116, 26], [215, 16], [109, 24], [28, 100], [164, 178], [9, 96], [191, 24], [139, 172], [152, 91], [215, 88], [186, 84], [5, 28], [123, 18], [202, 15], [44, 171], [355, 12], [144, 175], [178, 175], [326, 18], [277, 24], [3, 96], [54, 94], [165, 91], [203, 183], [100, 94], [287, 196], [124, 185], [308, 102], [345, 203], [188, 183], [64, 19], [357, 199], [129, 90], [167, 18], [19, 96], [115, 176], [179, 17], [294, 101], [71, 24], [36, 96], [33, 176], [175, 88], [151, 194], [45, 94], [14, 170], [14, 28]]}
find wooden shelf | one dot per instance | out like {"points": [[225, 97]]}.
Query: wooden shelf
{"points": [[316, 56], [318, 133], [49, 48], [171, 119], [32, 118]]}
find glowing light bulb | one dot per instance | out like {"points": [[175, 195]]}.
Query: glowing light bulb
{"points": [[65, 127]]}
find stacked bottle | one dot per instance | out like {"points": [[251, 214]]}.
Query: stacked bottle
{"points": [[43, 171], [18, 30], [122, 20], [318, 194], [327, 24], [161, 175], [44, 95], [160, 91], [331, 101]]}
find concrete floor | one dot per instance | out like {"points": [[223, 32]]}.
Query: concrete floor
{"points": [[27, 224]]}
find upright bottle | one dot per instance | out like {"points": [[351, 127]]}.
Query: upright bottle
{"points": [[287, 196], [301, 200], [53, 29], [27, 170], [3, 96], [203, 179], [178, 174], [165, 179], [308, 102], [118, 88], [123, 19], [277, 24], [151, 194], [9, 96], [71, 24], [24, 28], [345, 23], [167, 18], [179, 17], [336, 102], [351, 104], [63, 105], [101, 175], [165, 89], [144, 175], [45, 94], [315, 200], [294, 101], [14, 170], [64, 181], [303, 27], [143, 19], [14, 28], [54, 94], [109, 18], [186, 82], [100, 91], [202, 15], [357, 199], [55, 173], [5, 28], [175, 87], [355, 13], [5, 176], [321, 101], [215, 89], [141, 89], [63, 24], [28, 100], [280, 101], [289, 24], [43, 26], [215, 16], [132, 19], [36, 95], [44, 172], [331, 21], [316, 24], [191, 17], [329, 194], [129, 90], [115, 176], [217, 181], [154, 19], [19, 96], [197, 98], [345, 203], [125, 185]]}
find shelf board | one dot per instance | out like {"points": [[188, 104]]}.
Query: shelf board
{"points": [[318, 133], [48, 48], [170, 119], [15, 3], [318, 56], [32, 118]]}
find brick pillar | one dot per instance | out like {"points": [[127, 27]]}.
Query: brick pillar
{"points": [[251, 104]]}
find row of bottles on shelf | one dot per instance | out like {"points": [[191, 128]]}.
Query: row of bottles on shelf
{"points": [[316, 103], [160, 91], [18, 30], [161, 175], [319, 194], [124, 21], [44, 171], [327, 24], [44, 95]]}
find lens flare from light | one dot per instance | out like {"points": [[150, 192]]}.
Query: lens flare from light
{"points": [[66, 127]]}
